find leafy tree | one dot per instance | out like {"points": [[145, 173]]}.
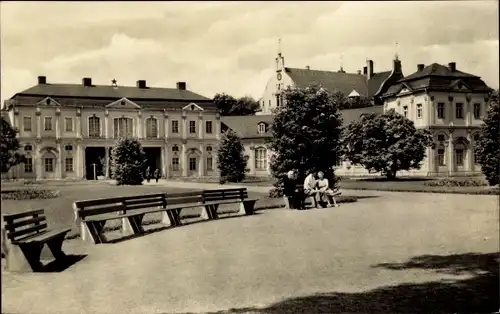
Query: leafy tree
{"points": [[230, 106], [357, 102], [386, 142], [9, 146], [306, 133], [128, 162], [230, 158], [488, 148]]}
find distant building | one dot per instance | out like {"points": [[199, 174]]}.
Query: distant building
{"points": [[67, 130], [368, 84]]}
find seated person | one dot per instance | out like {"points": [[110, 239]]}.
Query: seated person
{"points": [[325, 193], [310, 189], [290, 190]]}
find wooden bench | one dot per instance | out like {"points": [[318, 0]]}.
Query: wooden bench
{"points": [[26, 234], [92, 215], [213, 198]]}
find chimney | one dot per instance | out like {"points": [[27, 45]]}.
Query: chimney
{"points": [[87, 81], [369, 65], [420, 67], [181, 85], [308, 67], [365, 71], [452, 66], [42, 80], [141, 84]]}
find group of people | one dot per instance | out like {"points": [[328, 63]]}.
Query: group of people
{"points": [[156, 174], [315, 186]]}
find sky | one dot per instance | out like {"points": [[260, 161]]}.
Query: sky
{"points": [[231, 47]]}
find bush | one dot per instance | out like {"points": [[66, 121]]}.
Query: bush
{"points": [[230, 159], [457, 182], [128, 162], [29, 194], [276, 192]]}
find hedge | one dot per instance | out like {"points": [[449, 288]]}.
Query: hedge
{"points": [[29, 194]]}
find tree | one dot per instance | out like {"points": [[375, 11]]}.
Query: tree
{"points": [[128, 162], [386, 142], [230, 158], [487, 149], [306, 133], [230, 106], [9, 146]]}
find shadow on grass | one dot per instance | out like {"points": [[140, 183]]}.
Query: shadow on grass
{"points": [[57, 266], [477, 294]]}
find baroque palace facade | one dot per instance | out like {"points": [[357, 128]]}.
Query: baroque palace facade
{"points": [[67, 130], [441, 98]]}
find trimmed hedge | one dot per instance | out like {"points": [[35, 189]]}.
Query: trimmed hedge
{"points": [[29, 194], [435, 189], [457, 182]]}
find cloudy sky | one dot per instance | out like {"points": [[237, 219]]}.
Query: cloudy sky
{"points": [[230, 46]]}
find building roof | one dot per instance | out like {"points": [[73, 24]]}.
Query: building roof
{"points": [[438, 77], [101, 95], [247, 126], [376, 81]]}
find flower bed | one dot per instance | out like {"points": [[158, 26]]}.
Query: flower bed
{"points": [[29, 194]]}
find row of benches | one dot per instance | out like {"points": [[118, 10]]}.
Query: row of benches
{"points": [[25, 234]]}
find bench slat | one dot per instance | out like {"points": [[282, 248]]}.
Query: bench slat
{"points": [[14, 225], [225, 190], [44, 237], [177, 201], [144, 205], [143, 201], [36, 228], [10, 217], [100, 210]]}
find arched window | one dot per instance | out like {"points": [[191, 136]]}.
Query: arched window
{"points": [[441, 137], [460, 150], [261, 128], [261, 158], [94, 126], [151, 127], [123, 127], [209, 149], [175, 149]]}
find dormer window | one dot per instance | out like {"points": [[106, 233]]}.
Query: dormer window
{"points": [[261, 128]]}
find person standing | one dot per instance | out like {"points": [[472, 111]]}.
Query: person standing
{"points": [[148, 174], [157, 174]]}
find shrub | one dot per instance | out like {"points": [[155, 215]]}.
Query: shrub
{"points": [[457, 182], [29, 194], [276, 192], [128, 162], [230, 159]]}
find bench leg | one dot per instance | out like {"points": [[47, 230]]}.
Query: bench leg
{"points": [[247, 207], [95, 229], [171, 217], [55, 246], [132, 225], [210, 212], [24, 258]]}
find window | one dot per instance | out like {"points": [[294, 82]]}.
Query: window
{"points": [[459, 157], [68, 148], [405, 111], [440, 157], [269, 103], [28, 165], [476, 138], [477, 111], [48, 123], [68, 124], [209, 149], [459, 110], [28, 148], [440, 110], [192, 163], [260, 159], [208, 127], [94, 126], [210, 164], [419, 111], [175, 163], [27, 124], [151, 127], [49, 164], [69, 164], [441, 137], [192, 127], [278, 103], [175, 126], [261, 128], [175, 149], [123, 127]]}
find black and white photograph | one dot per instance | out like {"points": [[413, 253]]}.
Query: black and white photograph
{"points": [[250, 157]]}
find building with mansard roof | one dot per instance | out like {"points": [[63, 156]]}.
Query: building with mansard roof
{"points": [[67, 130]]}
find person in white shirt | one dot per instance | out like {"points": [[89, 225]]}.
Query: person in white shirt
{"points": [[325, 193], [310, 189]]}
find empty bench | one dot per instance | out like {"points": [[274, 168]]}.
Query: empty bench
{"points": [[26, 234], [212, 199]]}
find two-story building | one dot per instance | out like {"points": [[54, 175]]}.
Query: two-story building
{"points": [[450, 103], [67, 130]]}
